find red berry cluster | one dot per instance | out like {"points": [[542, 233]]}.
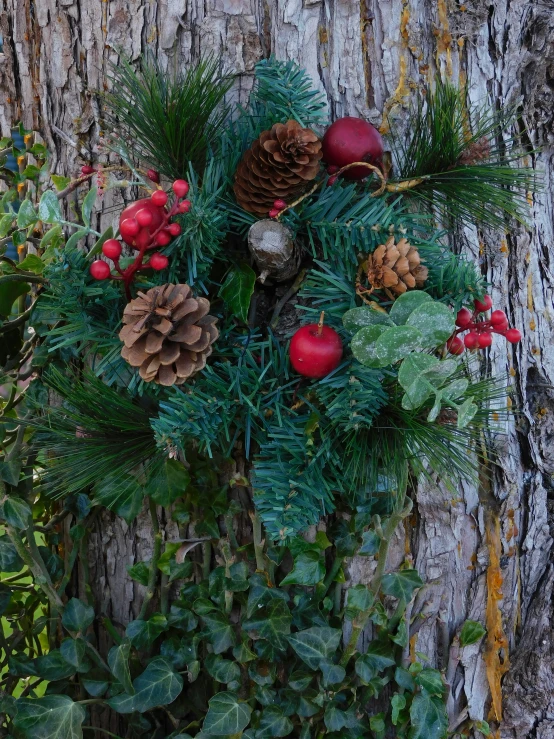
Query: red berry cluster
{"points": [[278, 206], [144, 225], [479, 329]]}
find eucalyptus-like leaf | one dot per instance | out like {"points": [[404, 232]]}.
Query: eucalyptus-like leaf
{"points": [[466, 413], [406, 303], [363, 345], [434, 321], [357, 318], [49, 208], [396, 343]]}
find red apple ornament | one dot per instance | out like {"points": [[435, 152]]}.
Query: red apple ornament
{"points": [[350, 140], [315, 350]]}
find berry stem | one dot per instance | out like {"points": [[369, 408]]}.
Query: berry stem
{"points": [[320, 323]]}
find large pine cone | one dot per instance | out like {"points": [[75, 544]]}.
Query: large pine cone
{"points": [[395, 267], [168, 334], [277, 166]]}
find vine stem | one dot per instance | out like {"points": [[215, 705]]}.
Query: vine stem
{"points": [[156, 554], [36, 567], [258, 541]]}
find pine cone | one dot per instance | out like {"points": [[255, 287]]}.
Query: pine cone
{"points": [[277, 166], [168, 334], [395, 267]]}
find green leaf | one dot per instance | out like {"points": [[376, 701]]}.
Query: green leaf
{"points": [[455, 389], [140, 572], [363, 345], [332, 674], [398, 703], [222, 670], [30, 172], [122, 495], [53, 666], [358, 318], [10, 560], [73, 651], [401, 584], [60, 182], [359, 599], [428, 717], [315, 644], [50, 717], [32, 263], [378, 657], [158, 685], [440, 371], [308, 569], [435, 322], [49, 208], [219, 633], [6, 222], [74, 239], [273, 624], [395, 343], [26, 215], [97, 248], [370, 543], [143, 633], [169, 483], [466, 413], [118, 661], [10, 471], [415, 395], [431, 681], [9, 293], [405, 304], [273, 722], [414, 365], [77, 616], [88, 205], [96, 682], [226, 715], [471, 633], [16, 512], [237, 290]]}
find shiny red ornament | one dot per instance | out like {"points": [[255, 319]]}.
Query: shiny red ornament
{"points": [[99, 270], [350, 140], [180, 188], [158, 261], [111, 249], [482, 306], [315, 350], [159, 198], [129, 231]]}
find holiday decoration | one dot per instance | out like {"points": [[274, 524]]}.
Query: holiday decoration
{"points": [[394, 268], [278, 165], [272, 246], [168, 334], [350, 140], [315, 350], [141, 218], [480, 329]]}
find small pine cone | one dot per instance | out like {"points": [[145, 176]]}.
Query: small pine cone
{"points": [[277, 166], [477, 151], [168, 334], [395, 267]]}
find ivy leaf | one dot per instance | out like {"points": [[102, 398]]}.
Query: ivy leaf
{"points": [[401, 584], [398, 703], [16, 512], [378, 657], [60, 182], [260, 594], [77, 616], [96, 682], [308, 570], [315, 644], [10, 471], [169, 483], [32, 263], [49, 208], [471, 633], [158, 685], [370, 543], [50, 717], [73, 651], [26, 215], [273, 722], [226, 715], [219, 633], [222, 670], [118, 661], [430, 680], [359, 598], [5, 225], [10, 561], [53, 666], [377, 725], [140, 572], [428, 717], [332, 674], [9, 292], [237, 290], [88, 205], [273, 625], [143, 633], [122, 495]]}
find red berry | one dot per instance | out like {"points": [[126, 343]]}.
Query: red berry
{"points": [[99, 270], [144, 217], [279, 204], [184, 206], [87, 169], [332, 180], [163, 238], [498, 317], [331, 169], [464, 318], [130, 213], [471, 340], [273, 213], [513, 335], [483, 305], [180, 188], [484, 340], [153, 175], [350, 140], [159, 198], [174, 229], [315, 350], [158, 261], [455, 345], [111, 249]]}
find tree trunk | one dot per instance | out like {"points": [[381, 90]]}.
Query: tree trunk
{"points": [[485, 553]]}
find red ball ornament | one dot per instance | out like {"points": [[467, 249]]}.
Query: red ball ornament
{"points": [[184, 206], [159, 198], [144, 218], [482, 306], [471, 340], [180, 188], [129, 231], [315, 350], [111, 249], [464, 318], [99, 270], [153, 176], [513, 335], [158, 261], [455, 345], [163, 238], [484, 340], [350, 140], [498, 317], [174, 229]]}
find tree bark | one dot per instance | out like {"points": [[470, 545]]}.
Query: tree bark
{"points": [[484, 553]]}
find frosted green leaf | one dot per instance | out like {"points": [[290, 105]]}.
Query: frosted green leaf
{"points": [[441, 371], [49, 208], [363, 345], [435, 410], [435, 321], [416, 394], [413, 365], [357, 318], [26, 214], [455, 389], [466, 413], [88, 205], [396, 343], [406, 304]]}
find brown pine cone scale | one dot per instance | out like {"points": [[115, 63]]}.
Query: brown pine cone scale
{"points": [[168, 334], [279, 165], [395, 268]]}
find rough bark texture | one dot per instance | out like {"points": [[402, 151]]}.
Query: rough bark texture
{"points": [[487, 553]]}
